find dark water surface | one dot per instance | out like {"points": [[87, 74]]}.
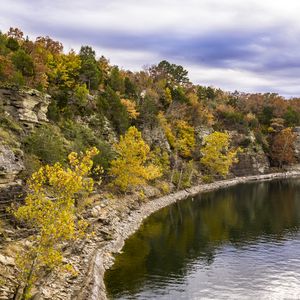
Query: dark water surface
{"points": [[238, 243]]}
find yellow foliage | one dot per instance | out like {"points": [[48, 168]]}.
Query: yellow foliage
{"points": [[50, 208], [184, 138], [64, 68], [167, 129], [131, 108], [131, 168], [216, 155], [168, 96], [160, 158], [185, 141], [164, 187]]}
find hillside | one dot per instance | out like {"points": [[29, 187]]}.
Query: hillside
{"points": [[53, 103]]}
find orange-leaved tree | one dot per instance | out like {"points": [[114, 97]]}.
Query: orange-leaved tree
{"points": [[282, 147]]}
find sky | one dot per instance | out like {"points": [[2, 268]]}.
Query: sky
{"points": [[245, 45]]}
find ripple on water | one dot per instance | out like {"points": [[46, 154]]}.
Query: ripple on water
{"points": [[222, 247]]}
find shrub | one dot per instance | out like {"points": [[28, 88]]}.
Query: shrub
{"points": [[46, 143], [83, 137]]}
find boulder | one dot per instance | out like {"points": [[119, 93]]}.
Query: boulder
{"points": [[27, 106]]}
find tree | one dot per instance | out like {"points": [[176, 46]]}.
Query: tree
{"points": [[53, 47], [81, 95], [131, 168], [217, 157], [174, 74], [89, 72], [50, 208], [292, 117], [130, 88], [116, 81], [23, 62], [64, 69], [185, 138], [115, 110], [182, 140], [282, 147], [16, 34], [131, 108]]}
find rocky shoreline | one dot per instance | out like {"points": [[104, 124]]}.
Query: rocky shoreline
{"points": [[112, 222], [102, 259]]}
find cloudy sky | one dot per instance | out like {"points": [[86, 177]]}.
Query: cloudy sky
{"points": [[246, 45]]}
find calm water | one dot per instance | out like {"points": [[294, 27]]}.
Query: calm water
{"points": [[238, 243]]}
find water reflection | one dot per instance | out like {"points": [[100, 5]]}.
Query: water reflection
{"points": [[240, 242]]}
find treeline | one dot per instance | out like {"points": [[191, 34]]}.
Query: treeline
{"points": [[141, 128], [88, 89]]}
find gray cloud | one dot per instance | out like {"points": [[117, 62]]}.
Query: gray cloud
{"points": [[244, 45]]}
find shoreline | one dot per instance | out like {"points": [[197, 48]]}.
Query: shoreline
{"points": [[102, 258]]}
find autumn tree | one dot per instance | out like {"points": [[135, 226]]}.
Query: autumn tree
{"points": [[131, 108], [131, 167], [54, 195], [64, 69], [185, 138], [53, 47], [282, 147], [217, 157], [181, 136], [16, 34]]}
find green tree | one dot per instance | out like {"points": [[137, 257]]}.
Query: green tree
{"points": [[115, 110], [23, 62], [291, 117], [116, 81], [89, 72], [174, 74]]}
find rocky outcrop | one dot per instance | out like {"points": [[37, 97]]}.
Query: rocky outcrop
{"points": [[11, 164], [297, 143], [155, 137], [252, 160], [27, 106]]}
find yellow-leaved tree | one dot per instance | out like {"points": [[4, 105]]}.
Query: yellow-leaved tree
{"points": [[64, 69], [131, 108], [183, 139], [217, 156], [51, 208], [131, 167]]}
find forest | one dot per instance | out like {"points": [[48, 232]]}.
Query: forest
{"points": [[116, 131]]}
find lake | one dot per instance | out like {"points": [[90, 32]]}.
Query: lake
{"points": [[241, 242]]}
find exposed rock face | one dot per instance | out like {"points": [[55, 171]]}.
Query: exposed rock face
{"points": [[108, 132], [202, 131], [297, 143], [253, 160], [30, 107], [11, 164], [156, 137]]}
